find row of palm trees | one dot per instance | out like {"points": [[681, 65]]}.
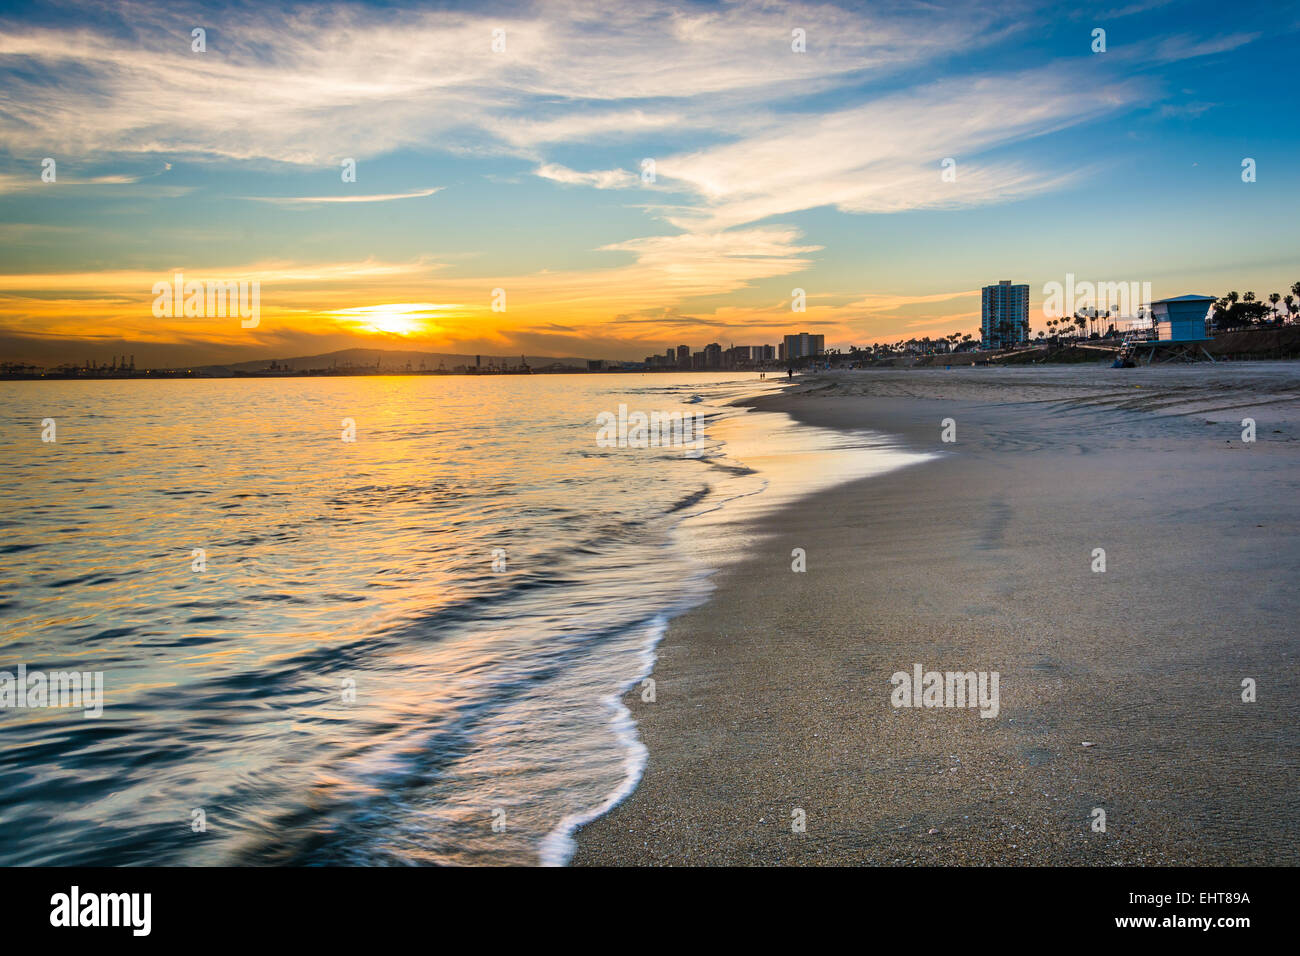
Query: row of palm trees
{"points": [[1235, 310], [1232, 311], [1089, 325], [923, 346]]}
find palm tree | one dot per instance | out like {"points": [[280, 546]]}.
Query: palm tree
{"points": [[1289, 300], [1229, 304], [1248, 297], [1274, 298]]}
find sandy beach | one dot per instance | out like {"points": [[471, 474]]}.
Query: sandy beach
{"points": [[1119, 690]]}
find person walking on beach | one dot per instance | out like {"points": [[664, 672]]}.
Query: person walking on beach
{"points": [[789, 373]]}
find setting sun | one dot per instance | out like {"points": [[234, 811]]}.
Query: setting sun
{"points": [[396, 318]]}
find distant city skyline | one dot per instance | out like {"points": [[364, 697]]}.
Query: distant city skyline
{"points": [[716, 356], [533, 179]]}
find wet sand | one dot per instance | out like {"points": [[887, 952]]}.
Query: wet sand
{"points": [[774, 697]]}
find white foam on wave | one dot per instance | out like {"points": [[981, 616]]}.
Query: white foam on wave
{"points": [[874, 454], [558, 846]]}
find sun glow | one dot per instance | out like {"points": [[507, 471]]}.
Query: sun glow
{"points": [[394, 318], [395, 324]]}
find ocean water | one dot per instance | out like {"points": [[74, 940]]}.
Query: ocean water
{"points": [[403, 649]]}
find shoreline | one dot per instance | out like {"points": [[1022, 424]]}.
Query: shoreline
{"points": [[773, 696]]}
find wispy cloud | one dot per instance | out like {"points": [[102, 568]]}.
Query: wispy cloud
{"points": [[379, 197], [746, 133], [885, 155], [1171, 49], [307, 85], [14, 182], [597, 179], [306, 296]]}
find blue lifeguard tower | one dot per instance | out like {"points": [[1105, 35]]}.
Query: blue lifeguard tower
{"points": [[1179, 330]]}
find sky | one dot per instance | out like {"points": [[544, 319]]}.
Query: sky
{"points": [[612, 179]]}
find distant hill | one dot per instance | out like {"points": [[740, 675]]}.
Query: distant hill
{"points": [[390, 359]]}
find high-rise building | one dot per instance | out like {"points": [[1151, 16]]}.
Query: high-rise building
{"points": [[1004, 315], [683, 356], [803, 345], [713, 355]]}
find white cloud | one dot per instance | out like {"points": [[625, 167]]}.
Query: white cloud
{"points": [[12, 183], [598, 179], [780, 131], [310, 86], [885, 155], [307, 86], [376, 197]]}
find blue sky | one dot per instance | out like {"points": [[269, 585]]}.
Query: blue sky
{"points": [[520, 168]]}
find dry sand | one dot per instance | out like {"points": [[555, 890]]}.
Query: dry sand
{"points": [[775, 696]]}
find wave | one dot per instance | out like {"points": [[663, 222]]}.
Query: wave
{"points": [[558, 846]]}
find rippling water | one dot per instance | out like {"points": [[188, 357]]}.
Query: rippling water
{"points": [[486, 722]]}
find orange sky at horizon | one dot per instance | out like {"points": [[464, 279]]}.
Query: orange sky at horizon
{"points": [[380, 305]]}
